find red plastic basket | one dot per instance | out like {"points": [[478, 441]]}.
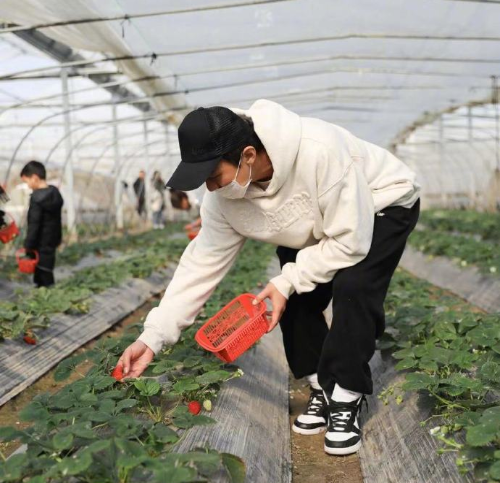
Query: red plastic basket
{"points": [[192, 235], [9, 232], [234, 329], [26, 265]]}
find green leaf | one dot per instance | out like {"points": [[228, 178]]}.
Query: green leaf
{"points": [[67, 366], [8, 433], [98, 446], [406, 364], [235, 467], [175, 475], [74, 465], [185, 385], [126, 404], [107, 406], [490, 371], [99, 417], [192, 361], [13, 467], [404, 353], [165, 365], [62, 441], [147, 387], [495, 470], [130, 453], [427, 364], [164, 434], [481, 434], [102, 382], [213, 377], [418, 380], [113, 394]]}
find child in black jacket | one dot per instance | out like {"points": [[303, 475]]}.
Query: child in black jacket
{"points": [[44, 221]]}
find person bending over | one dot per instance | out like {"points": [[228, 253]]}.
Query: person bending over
{"points": [[339, 210]]}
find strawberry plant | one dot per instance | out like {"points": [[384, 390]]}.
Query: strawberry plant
{"points": [[452, 353], [99, 429], [33, 310], [485, 225], [71, 254], [463, 250]]}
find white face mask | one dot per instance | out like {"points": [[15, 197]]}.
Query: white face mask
{"points": [[233, 190]]}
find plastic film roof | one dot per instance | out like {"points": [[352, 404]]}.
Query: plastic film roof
{"points": [[372, 67]]}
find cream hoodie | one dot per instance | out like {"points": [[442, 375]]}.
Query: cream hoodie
{"points": [[326, 187]]}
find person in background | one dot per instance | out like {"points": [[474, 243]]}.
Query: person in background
{"points": [[179, 200], [44, 221], [140, 193], [157, 201], [3, 199]]}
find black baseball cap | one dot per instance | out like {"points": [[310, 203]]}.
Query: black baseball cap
{"points": [[205, 135]]}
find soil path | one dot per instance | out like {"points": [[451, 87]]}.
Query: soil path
{"points": [[310, 463]]}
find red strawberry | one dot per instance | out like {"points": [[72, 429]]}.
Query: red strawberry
{"points": [[117, 373], [194, 407], [29, 340]]}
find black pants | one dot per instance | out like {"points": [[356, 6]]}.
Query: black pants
{"points": [[44, 272], [341, 354]]}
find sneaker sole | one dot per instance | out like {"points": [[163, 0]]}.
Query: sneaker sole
{"points": [[308, 432], [343, 451]]}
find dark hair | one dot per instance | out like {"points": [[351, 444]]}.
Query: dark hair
{"points": [[32, 168], [179, 199], [252, 140]]}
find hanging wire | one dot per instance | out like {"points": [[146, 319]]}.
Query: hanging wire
{"points": [[374, 36], [127, 18]]}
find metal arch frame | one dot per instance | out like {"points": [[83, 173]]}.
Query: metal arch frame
{"points": [[131, 119], [26, 104], [97, 161], [243, 67], [51, 116], [100, 157]]}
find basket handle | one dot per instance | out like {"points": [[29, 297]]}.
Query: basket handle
{"points": [[20, 251]]}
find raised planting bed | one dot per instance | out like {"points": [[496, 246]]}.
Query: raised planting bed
{"points": [[440, 422], [467, 282], [31, 310], [485, 225], [96, 429], [462, 250]]}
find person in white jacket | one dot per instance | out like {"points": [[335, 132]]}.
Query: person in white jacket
{"points": [[338, 208], [157, 201]]}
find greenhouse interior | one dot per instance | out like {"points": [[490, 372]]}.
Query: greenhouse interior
{"points": [[201, 200]]}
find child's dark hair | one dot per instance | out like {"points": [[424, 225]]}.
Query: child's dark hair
{"points": [[252, 140], [34, 167]]}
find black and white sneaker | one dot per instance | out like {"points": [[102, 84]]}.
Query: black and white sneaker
{"points": [[343, 435], [313, 419]]}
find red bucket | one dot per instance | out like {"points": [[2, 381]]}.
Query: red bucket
{"points": [[9, 232], [234, 329], [27, 265]]}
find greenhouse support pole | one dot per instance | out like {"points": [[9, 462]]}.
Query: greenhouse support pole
{"points": [[494, 196], [444, 197], [147, 167], [117, 171], [470, 140], [68, 172]]}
